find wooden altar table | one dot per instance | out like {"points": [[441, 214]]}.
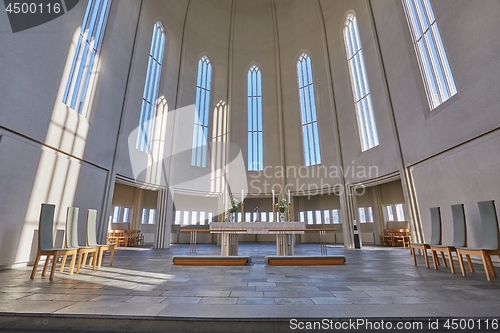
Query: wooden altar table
{"points": [[284, 234]]}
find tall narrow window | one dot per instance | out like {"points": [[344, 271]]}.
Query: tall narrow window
{"points": [[254, 119], [359, 82], [432, 59], [201, 117], [312, 154], [87, 49], [151, 86]]}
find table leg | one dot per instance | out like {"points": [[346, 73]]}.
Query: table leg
{"points": [[192, 243]]}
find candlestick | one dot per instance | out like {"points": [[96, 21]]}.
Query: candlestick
{"points": [[242, 193], [289, 195], [242, 211], [274, 213], [273, 197]]}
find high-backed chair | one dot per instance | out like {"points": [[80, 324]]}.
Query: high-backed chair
{"points": [[72, 239], [459, 237], [92, 238], [489, 240], [435, 237], [46, 244]]}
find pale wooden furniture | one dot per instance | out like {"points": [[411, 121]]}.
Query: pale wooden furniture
{"points": [[284, 240], [396, 237], [304, 260], [72, 239], [459, 238], [192, 238], [435, 237], [92, 238], [125, 237], [46, 244], [489, 244], [211, 260]]}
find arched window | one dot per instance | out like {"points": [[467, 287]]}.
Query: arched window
{"points": [[432, 59], [151, 86], [255, 153], [87, 49], [312, 154], [359, 82], [201, 117]]}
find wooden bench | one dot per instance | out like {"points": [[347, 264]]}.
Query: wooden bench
{"points": [[211, 260], [304, 260]]}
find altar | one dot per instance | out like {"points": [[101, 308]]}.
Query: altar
{"points": [[284, 234]]}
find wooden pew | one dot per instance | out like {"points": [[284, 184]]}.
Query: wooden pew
{"points": [[211, 260], [304, 260]]}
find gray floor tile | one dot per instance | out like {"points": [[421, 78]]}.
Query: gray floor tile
{"points": [[145, 299], [330, 300], [293, 301], [253, 294], [212, 293], [255, 300], [218, 300], [182, 300]]}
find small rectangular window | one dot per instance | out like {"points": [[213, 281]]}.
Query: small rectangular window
{"points": [[318, 217], [152, 216], [335, 215], [362, 216], [116, 214], [248, 217], [178, 217], [301, 217], [400, 212], [126, 213], [369, 214], [210, 217], [186, 218], [326, 213], [310, 219], [390, 215], [263, 216]]}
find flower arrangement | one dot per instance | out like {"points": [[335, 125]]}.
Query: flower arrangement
{"points": [[281, 205], [234, 206], [257, 214]]}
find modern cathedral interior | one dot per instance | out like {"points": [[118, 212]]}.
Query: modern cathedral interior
{"points": [[195, 164]]}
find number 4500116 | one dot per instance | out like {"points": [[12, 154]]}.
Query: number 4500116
{"points": [[33, 8]]}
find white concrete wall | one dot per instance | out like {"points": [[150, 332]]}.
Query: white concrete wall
{"points": [[51, 154]]}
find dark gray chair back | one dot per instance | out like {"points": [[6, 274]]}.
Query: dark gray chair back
{"points": [[459, 226], [46, 227], [489, 223], [435, 226]]}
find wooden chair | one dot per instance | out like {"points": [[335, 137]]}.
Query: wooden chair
{"points": [[435, 237], [72, 239], [489, 244], [46, 244], [400, 237], [92, 238], [459, 237], [387, 239]]}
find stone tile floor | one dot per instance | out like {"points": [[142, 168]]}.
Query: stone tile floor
{"points": [[143, 283]]}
